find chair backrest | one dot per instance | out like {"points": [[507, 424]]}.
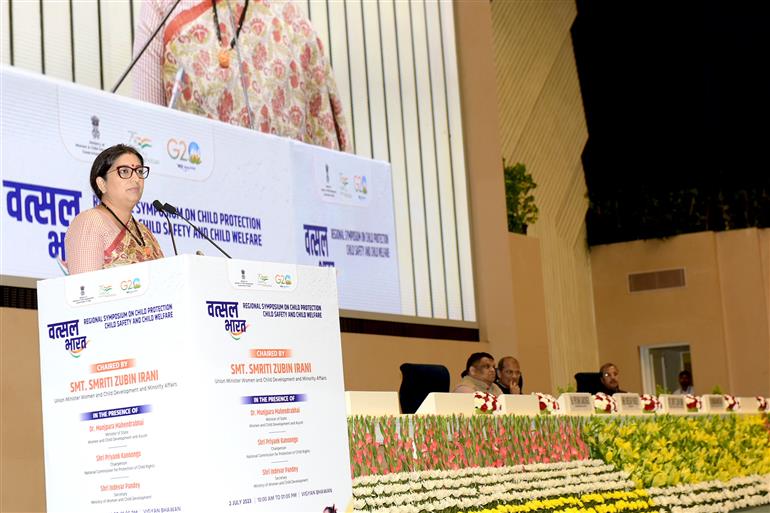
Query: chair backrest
{"points": [[590, 382], [417, 381]]}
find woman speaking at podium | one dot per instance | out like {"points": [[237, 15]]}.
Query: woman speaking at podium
{"points": [[108, 235]]}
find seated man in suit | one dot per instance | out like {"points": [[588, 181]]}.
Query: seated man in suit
{"points": [[609, 378], [509, 375], [479, 375]]}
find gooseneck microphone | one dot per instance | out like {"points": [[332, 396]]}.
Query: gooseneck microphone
{"points": [[171, 209], [159, 207], [144, 48]]}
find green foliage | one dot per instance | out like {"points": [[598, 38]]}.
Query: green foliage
{"points": [[651, 212], [570, 388], [717, 390], [660, 390], [519, 201]]}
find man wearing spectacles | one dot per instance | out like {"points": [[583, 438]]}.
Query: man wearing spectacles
{"points": [[108, 235]]}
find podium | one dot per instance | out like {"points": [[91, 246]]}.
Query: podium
{"points": [[193, 384]]}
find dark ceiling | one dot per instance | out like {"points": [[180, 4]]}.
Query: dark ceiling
{"points": [[676, 96]]}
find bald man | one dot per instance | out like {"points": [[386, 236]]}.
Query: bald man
{"points": [[509, 375]]}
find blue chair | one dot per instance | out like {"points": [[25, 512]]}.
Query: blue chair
{"points": [[417, 381]]}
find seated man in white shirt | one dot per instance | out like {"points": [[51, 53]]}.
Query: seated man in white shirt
{"points": [[685, 383], [479, 375]]}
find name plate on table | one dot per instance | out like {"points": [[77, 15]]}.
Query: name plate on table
{"points": [[372, 403], [628, 404], [446, 403], [713, 403], [576, 404], [515, 404], [749, 405], [673, 404]]}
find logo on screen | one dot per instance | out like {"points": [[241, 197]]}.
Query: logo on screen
{"points": [[181, 150], [359, 184], [316, 240], [95, 127], [140, 141]]}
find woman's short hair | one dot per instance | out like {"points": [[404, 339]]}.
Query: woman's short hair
{"points": [[104, 161]]}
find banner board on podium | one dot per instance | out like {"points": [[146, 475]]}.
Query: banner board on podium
{"points": [[193, 384]]}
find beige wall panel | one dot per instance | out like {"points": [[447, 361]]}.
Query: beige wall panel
{"points": [[531, 325], [543, 125], [688, 315], [528, 35], [744, 306], [491, 255], [22, 480], [764, 252]]}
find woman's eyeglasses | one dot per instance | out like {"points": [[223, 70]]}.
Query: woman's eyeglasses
{"points": [[125, 172]]}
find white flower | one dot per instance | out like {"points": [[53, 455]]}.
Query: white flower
{"points": [[604, 403], [731, 403], [650, 403], [692, 402]]}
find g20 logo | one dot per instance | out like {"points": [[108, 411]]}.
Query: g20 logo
{"points": [[180, 150], [283, 279], [130, 285]]}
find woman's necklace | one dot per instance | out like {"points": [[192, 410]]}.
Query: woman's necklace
{"points": [[139, 240], [224, 51]]}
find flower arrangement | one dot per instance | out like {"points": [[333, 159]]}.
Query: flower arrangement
{"points": [[713, 496], [650, 403], [548, 403], [604, 403], [485, 403], [538, 487], [692, 403], [731, 403], [667, 450], [383, 445], [761, 403]]}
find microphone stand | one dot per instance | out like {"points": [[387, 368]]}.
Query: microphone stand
{"points": [[144, 48], [171, 209]]}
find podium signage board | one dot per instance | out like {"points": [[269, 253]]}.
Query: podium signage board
{"points": [[191, 384]]}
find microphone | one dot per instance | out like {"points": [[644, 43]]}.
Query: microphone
{"points": [[159, 207], [144, 48], [171, 209]]}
